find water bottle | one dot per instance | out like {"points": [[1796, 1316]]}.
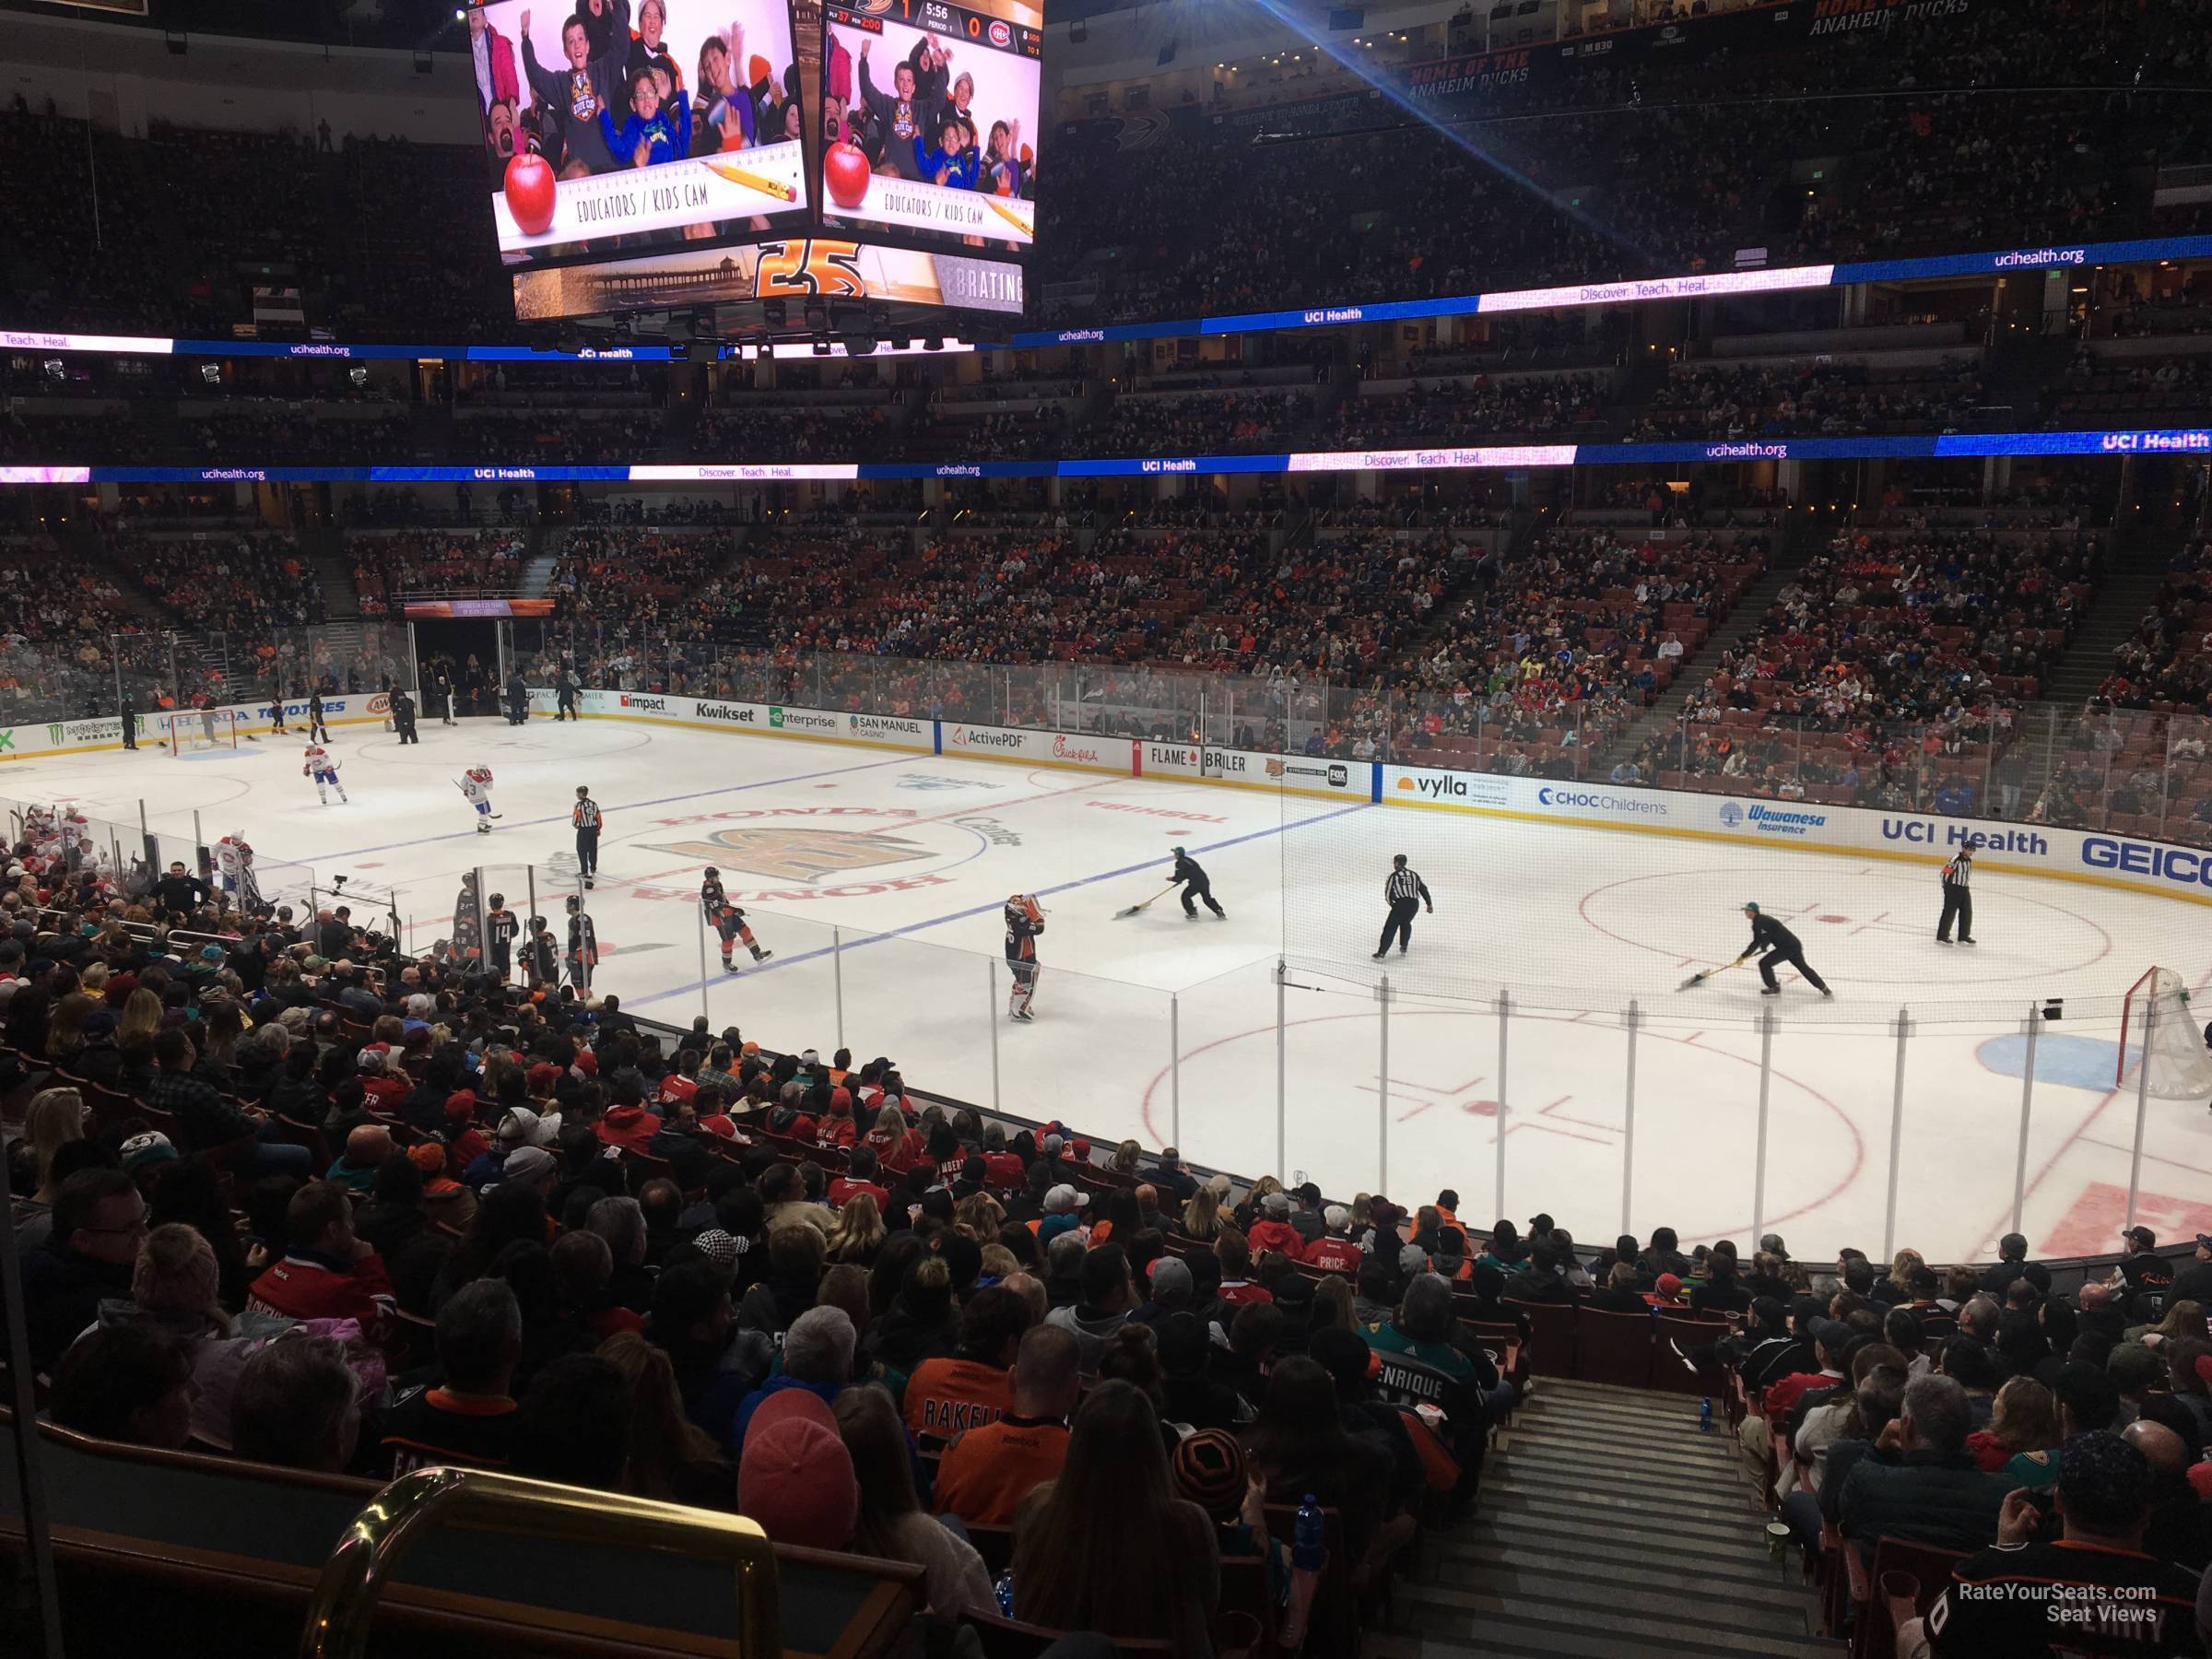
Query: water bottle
{"points": [[1004, 1590], [1306, 1550], [1705, 1415]]}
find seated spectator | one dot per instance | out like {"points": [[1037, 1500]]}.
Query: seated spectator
{"points": [[1104, 1544], [99, 1221], [817, 1356], [571, 1426], [987, 1471], [716, 1361], [127, 1383], [467, 1419], [892, 1523], [1919, 1483], [671, 1457], [1298, 1445], [796, 1478], [2000, 1600], [326, 1272], [948, 1396], [1106, 1301], [297, 1405]]}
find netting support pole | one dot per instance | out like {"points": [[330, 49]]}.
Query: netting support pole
{"points": [[1282, 1084], [1174, 1069], [2134, 1156], [1766, 1079], [2019, 1162], [199, 844], [1505, 1020], [837, 978], [1902, 1029], [700, 916], [1383, 1078], [1631, 1022], [991, 1019]]}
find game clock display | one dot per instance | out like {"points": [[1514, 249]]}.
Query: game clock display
{"points": [[930, 120]]}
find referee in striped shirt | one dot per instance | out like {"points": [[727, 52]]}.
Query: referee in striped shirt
{"points": [[1404, 889], [586, 819]]}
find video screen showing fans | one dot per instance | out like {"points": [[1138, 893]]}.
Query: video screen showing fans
{"points": [[929, 121], [631, 125]]}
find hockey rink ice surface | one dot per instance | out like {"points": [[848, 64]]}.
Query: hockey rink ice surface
{"points": [[1165, 1029]]}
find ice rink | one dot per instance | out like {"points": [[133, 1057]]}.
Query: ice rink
{"points": [[877, 880]]}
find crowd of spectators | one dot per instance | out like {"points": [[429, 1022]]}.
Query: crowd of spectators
{"points": [[1184, 423], [1810, 401], [1888, 672], [1456, 411], [251, 584], [387, 566]]}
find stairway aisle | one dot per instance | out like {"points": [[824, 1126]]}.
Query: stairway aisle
{"points": [[1609, 1528]]}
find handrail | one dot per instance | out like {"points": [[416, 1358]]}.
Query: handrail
{"points": [[395, 1519]]}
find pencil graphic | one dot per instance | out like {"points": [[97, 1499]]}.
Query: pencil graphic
{"points": [[751, 180], [1007, 214]]}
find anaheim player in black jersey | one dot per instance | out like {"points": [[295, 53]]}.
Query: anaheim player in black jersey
{"points": [[1024, 921], [584, 946], [541, 958], [499, 930], [468, 936], [729, 920]]}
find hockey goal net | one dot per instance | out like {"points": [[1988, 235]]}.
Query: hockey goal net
{"points": [[192, 730], [2163, 1043]]}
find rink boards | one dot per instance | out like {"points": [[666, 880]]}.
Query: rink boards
{"points": [[2160, 869]]}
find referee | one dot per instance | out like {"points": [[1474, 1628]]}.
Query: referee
{"points": [[586, 819], [1957, 894], [1403, 891]]}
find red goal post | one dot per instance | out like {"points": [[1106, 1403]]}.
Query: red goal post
{"points": [[2162, 1040], [193, 729]]}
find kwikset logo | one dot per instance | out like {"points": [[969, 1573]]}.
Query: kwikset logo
{"points": [[738, 711]]}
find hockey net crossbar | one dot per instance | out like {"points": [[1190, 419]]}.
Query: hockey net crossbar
{"points": [[2162, 1040]]}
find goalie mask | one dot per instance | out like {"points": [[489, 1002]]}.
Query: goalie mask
{"points": [[1023, 908]]}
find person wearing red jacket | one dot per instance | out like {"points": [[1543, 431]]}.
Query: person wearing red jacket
{"points": [[895, 1144], [1334, 1251], [835, 1127], [859, 1178], [326, 1272], [629, 1126], [384, 1090], [1273, 1230]]}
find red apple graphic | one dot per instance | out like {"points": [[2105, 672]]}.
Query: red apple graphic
{"points": [[530, 193], [845, 171]]}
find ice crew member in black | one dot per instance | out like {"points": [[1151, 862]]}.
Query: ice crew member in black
{"points": [[586, 817], [564, 695], [1780, 946], [402, 716], [1197, 886], [1957, 898], [1404, 891], [317, 731]]}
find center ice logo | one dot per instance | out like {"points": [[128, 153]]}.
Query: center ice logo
{"points": [[799, 854]]}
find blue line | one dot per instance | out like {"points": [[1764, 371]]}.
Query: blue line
{"points": [[985, 910], [834, 771]]}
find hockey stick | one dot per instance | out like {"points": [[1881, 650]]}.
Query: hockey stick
{"points": [[457, 784], [1702, 974], [1154, 899]]}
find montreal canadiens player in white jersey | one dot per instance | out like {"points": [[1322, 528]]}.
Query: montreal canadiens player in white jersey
{"points": [[475, 786], [323, 767]]}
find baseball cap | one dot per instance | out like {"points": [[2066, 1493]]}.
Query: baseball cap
{"points": [[1831, 1334], [522, 1127], [152, 1147], [1063, 1200], [1412, 1258], [2089, 1391], [1336, 1217], [527, 1163], [1669, 1284], [1208, 1470], [2141, 1235], [795, 1477], [1276, 1204], [544, 1076], [370, 1060]]}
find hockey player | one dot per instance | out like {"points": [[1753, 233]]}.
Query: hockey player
{"points": [[541, 958], [499, 928], [583, 947], [231, 855], [468, 921], [476, 788], [1024, 921], [587, 818], [1195, 887], [1780, 946], [323, 767], [729, 920]]}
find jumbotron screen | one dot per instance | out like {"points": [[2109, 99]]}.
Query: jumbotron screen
{"points": [[625, 126], [930, 119]]}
